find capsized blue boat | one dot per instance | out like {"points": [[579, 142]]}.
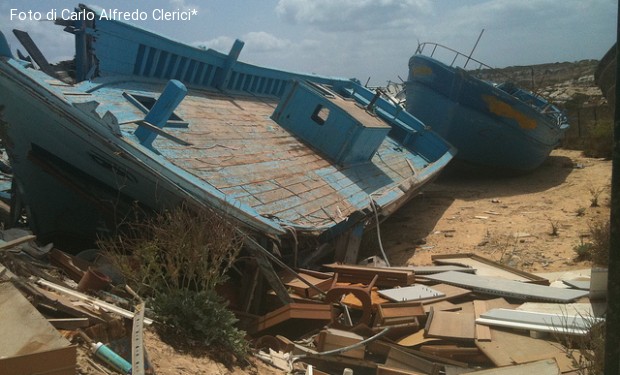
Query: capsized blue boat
{"points": [[141, 118], [496, 126]]}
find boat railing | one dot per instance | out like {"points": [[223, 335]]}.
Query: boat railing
{"points": [[457, 54]]}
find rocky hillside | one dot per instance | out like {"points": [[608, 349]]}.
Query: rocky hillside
{"points": [[571, 86], [558, 82]]}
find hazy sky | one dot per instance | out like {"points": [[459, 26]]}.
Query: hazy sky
{"points": [[357, 38]]}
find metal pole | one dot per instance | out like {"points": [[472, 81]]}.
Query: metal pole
{"points": [[612, 335], [473, 49]]}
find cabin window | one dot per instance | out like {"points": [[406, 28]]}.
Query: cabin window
{"points": [[320, 114]]}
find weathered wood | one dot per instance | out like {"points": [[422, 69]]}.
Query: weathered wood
{"points": [[28, 343], [17, 241], [331, 339], [363, 275], [487, 267], [450, 325], [288, 318], [507, 348], [86, 298], [543, 367]]}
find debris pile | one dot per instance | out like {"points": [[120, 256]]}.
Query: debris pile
{"points": [[463, 314]]}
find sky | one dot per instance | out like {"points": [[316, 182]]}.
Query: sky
{"points": [[371, 40]]}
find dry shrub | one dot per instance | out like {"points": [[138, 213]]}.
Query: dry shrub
{"points": [[176, 259]]}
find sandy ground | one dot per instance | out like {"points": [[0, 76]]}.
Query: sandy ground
{"points": [[508, 219]]}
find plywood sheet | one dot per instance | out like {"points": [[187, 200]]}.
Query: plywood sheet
{"points": [[487, 267], [26, 338], [451, 325], [543, 367], [507, 348]]}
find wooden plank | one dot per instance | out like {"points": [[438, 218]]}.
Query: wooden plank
{"points": [[507, 348], [18, 241], [331, 339], [294, 318], [97, 302], [508, 288], [26, 337], [416, 339], [401, 359], [450, 325], [69, 323], [483, 332], [542, 367], [389, 313], [61, 361], [487, 267], [363, 275]]}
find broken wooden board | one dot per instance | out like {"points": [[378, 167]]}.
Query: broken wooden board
{"points": [[507, 348], [416, 292], [28, 343], [483, 332], [302, 289], [471, 355], [294, 319], [359, 274], [429, 270], [89, 299], [450, 325], [487, 267], [398, 313], [401, 359], [416, 339], [508, 288], [542, 367], [330, 339]]}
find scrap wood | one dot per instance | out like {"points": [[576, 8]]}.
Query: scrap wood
{"points": [[287, 318], [542, 367], [508, 348], [408, 360], [416, 339], [331, 338], [300, 287], [450, 325], [360, 274], [28, 343], [311, 353], [90, 299], [335, 294], [487, 267], [53, 301], [471, 355], [18, 241], [74, 267]]}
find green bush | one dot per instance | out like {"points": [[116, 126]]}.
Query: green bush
{"points": [[201, 317], [176, 259]]}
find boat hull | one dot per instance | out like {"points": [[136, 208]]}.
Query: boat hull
{"points": [[80, 165], [489, 127]]}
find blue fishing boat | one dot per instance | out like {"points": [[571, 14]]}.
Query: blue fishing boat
{"points": [[496, 126], [137, 117]]}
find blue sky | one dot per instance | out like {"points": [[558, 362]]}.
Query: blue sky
{"points": [[359, 38]]}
